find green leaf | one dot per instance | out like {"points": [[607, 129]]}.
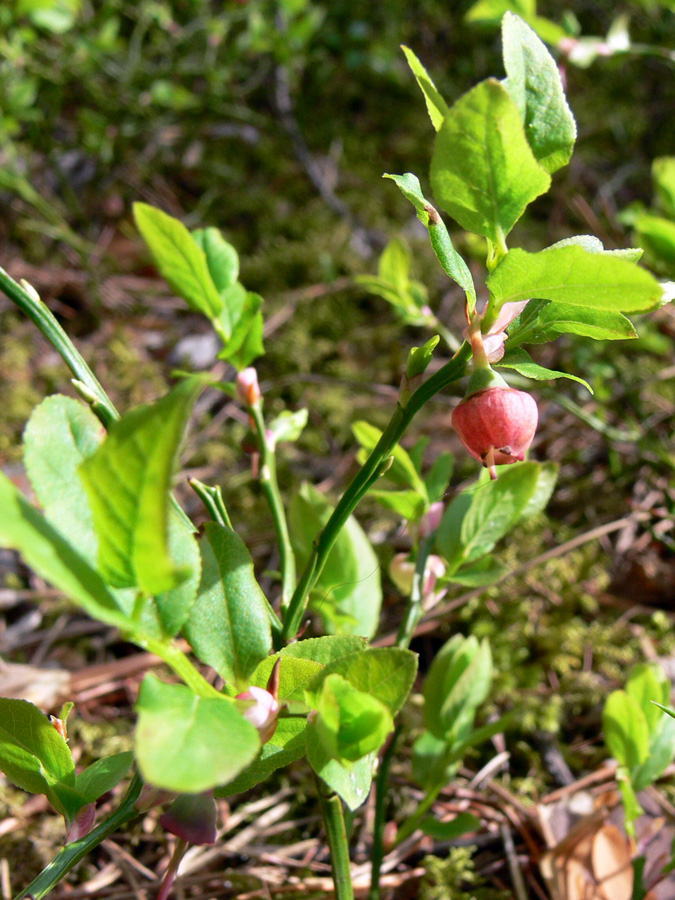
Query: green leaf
{"points": [[463, 823], [179, 258], [479, 574], [496, 508], [394, 265], [588, 242], [436, 105], [543, 321], [128, 481], [287, 426], [188, 744], [548, 475], [647, 682], [492, 11], [438, 477], [323, 650], [103, 775], [402, 470], [286, 745], [350, 781], [449, 258], [572, 275], [61, 433], [600, 325], [295, 676], [522, 362], [407, 504], [661, 754], [301, 664], [663, 176], [229, 627], [483, 171], [626, 730], [631, 805], [420, 357], [535, 85], [458, 681], [33, 755], [657, 236], [449, 532], [386, 673], [22, 528], [57, 16], [349, 584], [430, 761], [174, 606], [244, 327], [667, 709], [349, 723], [408, 303], [221, 257]]}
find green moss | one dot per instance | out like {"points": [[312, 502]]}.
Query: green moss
{"points": [[455, 878]]}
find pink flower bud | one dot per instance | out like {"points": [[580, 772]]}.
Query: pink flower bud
{"points": [[496, 425], [431, 519], [82, 823], [401, 572], [262, 712], [248, 389]]}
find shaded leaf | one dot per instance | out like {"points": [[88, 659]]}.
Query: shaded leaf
{"points": [[285, 746], [221, 257], [229, 627], [407, 504], [486, 571], [402, 470], [349, 584], [103, 775], [463, 823], [522, 362]]}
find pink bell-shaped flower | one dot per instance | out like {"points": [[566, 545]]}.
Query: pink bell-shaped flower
{"points": [[496, 425]]}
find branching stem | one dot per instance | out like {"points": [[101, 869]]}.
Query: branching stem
{"points": [[451, 371]]}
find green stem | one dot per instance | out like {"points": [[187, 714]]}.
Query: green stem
{"points": [[212, 498], [451, 371], [336, 835], [270, 488], [71, 855], [414, 609], [381, 789], [40, 314], [411, 823], [181, 665]]}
